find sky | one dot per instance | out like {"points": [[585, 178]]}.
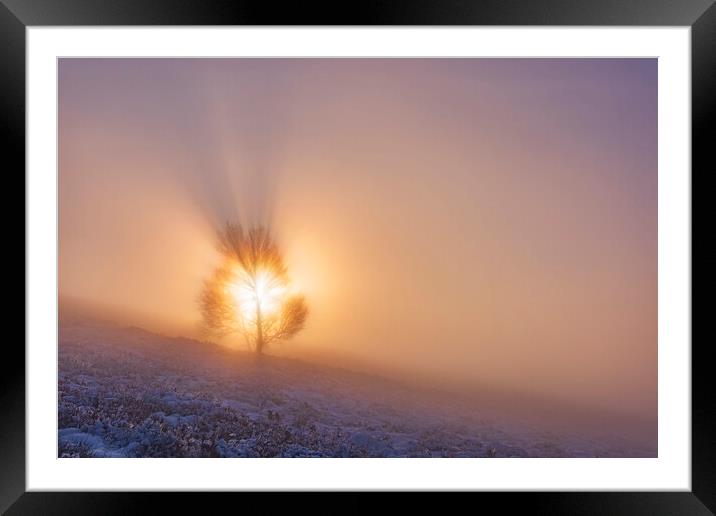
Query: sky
{"points": [[473, 220]]}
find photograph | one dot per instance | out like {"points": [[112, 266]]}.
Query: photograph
{"points": [[364, 257]]}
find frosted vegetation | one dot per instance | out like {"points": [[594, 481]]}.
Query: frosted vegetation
{"points": [[124, 392]]}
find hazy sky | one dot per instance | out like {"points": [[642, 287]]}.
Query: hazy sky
{"points": [[472, 219]]}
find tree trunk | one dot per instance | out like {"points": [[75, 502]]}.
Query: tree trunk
{"points": [[259, 330]]}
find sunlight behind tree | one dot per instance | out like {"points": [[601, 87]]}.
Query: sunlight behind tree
{"points": [[249, 293]]}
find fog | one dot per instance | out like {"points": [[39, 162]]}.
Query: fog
{"points": [[463, 221]]}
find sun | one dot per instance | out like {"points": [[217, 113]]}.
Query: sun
{"points": [[256, 295], [250, 292]]}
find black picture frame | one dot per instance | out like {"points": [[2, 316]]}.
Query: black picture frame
{"points": [[17, 15]]}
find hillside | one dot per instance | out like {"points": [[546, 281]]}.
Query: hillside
{"points": [[126, 392]]}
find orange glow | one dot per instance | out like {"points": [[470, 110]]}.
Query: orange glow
{"points": [[495, 225], [263, 292], [248, 294]]}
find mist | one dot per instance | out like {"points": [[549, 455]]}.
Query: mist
{"points": [[465, 222]]}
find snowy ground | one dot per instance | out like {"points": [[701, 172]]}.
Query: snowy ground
{"points": [[124, 392]]}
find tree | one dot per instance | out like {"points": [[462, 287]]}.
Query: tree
{"points": [[248, 293]]}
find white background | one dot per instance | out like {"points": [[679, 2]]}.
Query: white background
{"points": [[671, 470]]}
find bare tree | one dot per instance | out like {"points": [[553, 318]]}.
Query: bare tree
{"points": [[248, 293]]}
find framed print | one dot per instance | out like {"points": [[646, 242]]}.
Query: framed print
{"points": [[425, 249]]}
